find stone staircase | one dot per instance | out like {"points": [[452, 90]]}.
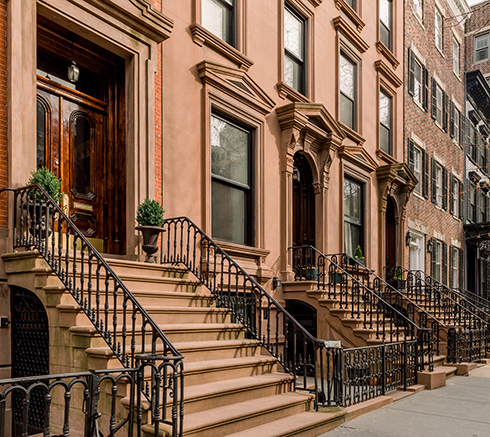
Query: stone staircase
{"points": [[232, 385]]}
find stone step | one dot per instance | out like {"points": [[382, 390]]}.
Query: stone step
{"points": [[223, 421]]}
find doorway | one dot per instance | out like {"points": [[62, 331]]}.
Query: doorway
{"points": [[390, 234], [303, 202], [80, 132]]}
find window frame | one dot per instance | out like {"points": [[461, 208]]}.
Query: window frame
{"points": [[302, 63], [347, 219], [382, 24], [485, 35], [354, 99], [249, 225], [438, 30], [383, 126]]}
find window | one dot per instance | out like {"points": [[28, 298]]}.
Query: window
{"points": [[231, 172], [454, 200], [454, 267], [417, 81], [438, 184], [353, 215], [347, 91], [218, 18], [472, 206], [455, 56], [351, 3], [417, 260], [417, 9], [438, 268], [455, 129], [294, 50], [385, 115], [439, 110], [438, 29], [417, 168], [439, 104], [385, 17], [481, 47]]}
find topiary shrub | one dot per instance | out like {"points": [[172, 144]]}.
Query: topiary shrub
{"points": [[48, 180], [150, 213]]}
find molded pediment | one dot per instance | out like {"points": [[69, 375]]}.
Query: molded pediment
{"points": [[358, 156], [236, 83]]}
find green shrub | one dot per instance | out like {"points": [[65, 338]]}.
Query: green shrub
{"points": [[150, 213], [358, 253], [47, 179]]}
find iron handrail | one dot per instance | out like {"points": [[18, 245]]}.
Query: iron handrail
{"points": [[38, 222], [473, 297]]}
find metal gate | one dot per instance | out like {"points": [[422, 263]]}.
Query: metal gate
{"points": [[30, 352]]}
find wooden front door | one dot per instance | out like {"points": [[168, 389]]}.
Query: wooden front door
{"points": [[303, 203], [390, 234]]}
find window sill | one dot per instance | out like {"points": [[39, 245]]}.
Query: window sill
{"points": [[288, 92], [419, 195], [455, 217], [440, 51], [381, 154], [387, 53], [458, 76], [418, 104], [202, 36], [419, 19], [352, 134], [342, 5]]}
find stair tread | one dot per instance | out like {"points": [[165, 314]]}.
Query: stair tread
{"points": [[292, 425], [169, 327], [241, 410], [228, 363]]}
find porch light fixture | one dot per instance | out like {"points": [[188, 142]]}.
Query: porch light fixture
{"points": [[296, 174], [73, 72], [408, 238], [430, 245], [276, 282]]}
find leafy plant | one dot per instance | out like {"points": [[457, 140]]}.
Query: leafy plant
{"points": [[150, 213], [398, 273], [48, 180], [358, 253]]}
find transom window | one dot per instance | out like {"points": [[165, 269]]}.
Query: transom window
{"points": [[385, 18], [385, 122], [347, 91], [481, 47], [438, 29], [417, 8], [353, 215], [294, 50], [455, 56], [232, 181], [218, 18]]}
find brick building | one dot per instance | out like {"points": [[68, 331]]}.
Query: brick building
{"points": [[434, 108]]}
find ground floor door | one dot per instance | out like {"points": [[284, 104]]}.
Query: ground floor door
{"points": [[390, 234], [303, 203]]}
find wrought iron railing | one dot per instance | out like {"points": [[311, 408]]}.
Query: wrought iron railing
{"points": [[392, 315], [467, 345], [369, 372], [476, 299], [118, 317], [87, 402]]}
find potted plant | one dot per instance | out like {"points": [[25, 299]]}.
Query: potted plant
{"points": [[358, 256], [36, 205], [398, 282], [310, 273], [149, 216], [336, 276]]}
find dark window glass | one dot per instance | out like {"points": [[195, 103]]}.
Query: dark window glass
{"points": [[81, 148], [353, 215], [231, 169], [41, 135]]}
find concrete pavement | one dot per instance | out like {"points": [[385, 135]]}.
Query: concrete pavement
{"points": [[461, 408]]}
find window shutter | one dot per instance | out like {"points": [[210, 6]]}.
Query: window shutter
{"points": [[444, 188], [425, 177], [462, 129], [445, 110], [451, 266], [451, 122], [444, 263], [411, 73], [452, 194], [434, 190], [411, 162], [434, 99], [425, 99], [461, 268], [432, 258], [461, 200]]}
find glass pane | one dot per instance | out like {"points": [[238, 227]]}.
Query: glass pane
{"points": [[347, 111], [293, 34], [385, 109], [352, 201], [292, 73], [229, 151], [215, 18], [352, 238], [347, 77], [81, 150], [351, 3], [385, 12], [384, 139], [41, 135], [229, 212], [385, 35]]}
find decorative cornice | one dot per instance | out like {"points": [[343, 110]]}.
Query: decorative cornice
{"points": [[352, 134], [201, 36], [359, 156], [387, 73], [287, 92], [236, 83], [341, 25], [388, 54], [343, 6]]}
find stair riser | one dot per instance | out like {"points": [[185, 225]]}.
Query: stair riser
{"points": [[190, 301]]}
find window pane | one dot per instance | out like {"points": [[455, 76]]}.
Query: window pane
{"points": [[384, 139], [351, 3], [417, 81], [81, 149], [293, 34], [385, 109], [352, 201], [417, 159], [352, 238], [229, 213], [229, 151], [385, 25], [347, 77], [347, 111], [292, 73], [41, 135], [216, 17]]}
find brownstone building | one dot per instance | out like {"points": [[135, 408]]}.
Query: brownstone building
{"points": [[434, 135]]}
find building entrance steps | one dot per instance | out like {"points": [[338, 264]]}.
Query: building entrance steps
{"points": [[458, 409]]}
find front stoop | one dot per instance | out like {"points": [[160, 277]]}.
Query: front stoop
{"points": [[436, 378], [462, 369]]}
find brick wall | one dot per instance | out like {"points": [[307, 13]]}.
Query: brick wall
{"points": [[478, 23], [420, 37]]}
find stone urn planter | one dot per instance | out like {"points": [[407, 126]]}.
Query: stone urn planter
{"points": [[150, 240]]}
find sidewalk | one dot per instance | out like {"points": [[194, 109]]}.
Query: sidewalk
{"points": [[461, 408]]}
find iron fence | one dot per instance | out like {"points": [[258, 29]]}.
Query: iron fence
{"points": [[467, 345]]}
